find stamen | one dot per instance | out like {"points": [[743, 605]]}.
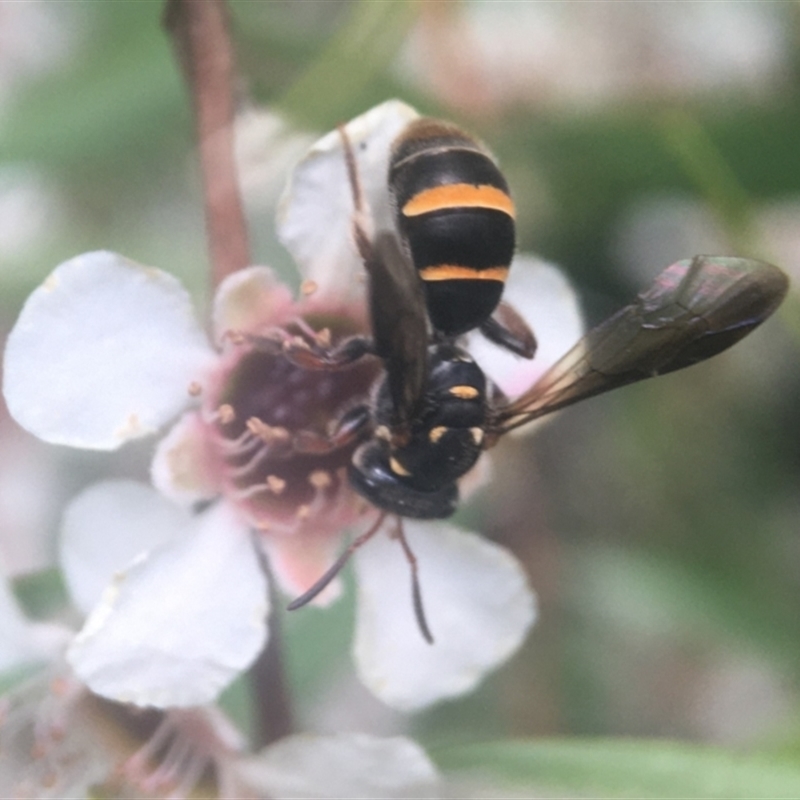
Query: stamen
{"points": [[239, 446], [275, 484], [263, 436], [183, 746], [193, 772], [250, 465], [248, 492], [305, 328], [226, 414], [320, 503], [166, 774], [134, 768], [295, 343], [323, 337], [320, 479], [267, 433]]}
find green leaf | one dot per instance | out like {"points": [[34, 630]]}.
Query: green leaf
{"points": [[700, 158], [606, 768], [41, 594], [364, 47]]}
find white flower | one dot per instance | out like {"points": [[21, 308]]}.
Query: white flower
{"points": [[58, 740], [184, 743], [107, 350]]}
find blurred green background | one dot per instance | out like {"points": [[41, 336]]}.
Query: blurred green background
{"points": [[659, 524]]}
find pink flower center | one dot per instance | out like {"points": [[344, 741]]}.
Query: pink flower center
{"points": [[274, 427]]}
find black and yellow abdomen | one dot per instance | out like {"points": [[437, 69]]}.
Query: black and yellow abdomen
{"points": [[456, 217]]}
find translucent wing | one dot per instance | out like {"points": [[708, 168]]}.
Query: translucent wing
{"points": [[694, 310], [399, 324]]}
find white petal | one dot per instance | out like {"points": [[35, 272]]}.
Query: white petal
{"points": [[175, 628], [103, 352], [478, 605], [250, 300], [344, 766], [543, 296], [316, 211], [298, 560], [106, 527], [183, 467], [265, 147]]}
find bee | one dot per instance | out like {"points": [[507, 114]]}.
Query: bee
{"points": [[434, 411]]}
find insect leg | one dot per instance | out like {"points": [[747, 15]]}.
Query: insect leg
{"points": [[308, 596], [347, 429], [416, 594], [507, 328]]}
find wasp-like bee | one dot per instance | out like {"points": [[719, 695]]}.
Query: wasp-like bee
{"points": [[434, 410]]}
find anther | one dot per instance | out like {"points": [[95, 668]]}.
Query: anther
{"points": [[226, 414], [267, 433], [323, 337], [320, 479], [275, 484], [295, 343], [477, 435], [303, 512], [308, 287], [195, 389]]}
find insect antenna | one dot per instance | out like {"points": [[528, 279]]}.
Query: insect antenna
{"points": [[359, 219], [308, 596], [352, 171]]}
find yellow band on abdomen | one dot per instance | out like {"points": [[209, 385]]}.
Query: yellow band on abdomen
{"points": [[459, 195], [449, 272]]}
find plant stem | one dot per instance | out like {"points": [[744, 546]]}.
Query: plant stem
{"points": [[200, 35], [273, 713]]}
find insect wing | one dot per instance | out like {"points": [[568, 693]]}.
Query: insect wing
{"points": [[694, 310], [399, 324]]}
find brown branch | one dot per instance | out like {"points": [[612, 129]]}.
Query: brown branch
{"points": [[199, 31], [272, 706]]}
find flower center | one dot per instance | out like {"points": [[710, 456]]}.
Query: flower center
{"points": [[275, 428]]}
